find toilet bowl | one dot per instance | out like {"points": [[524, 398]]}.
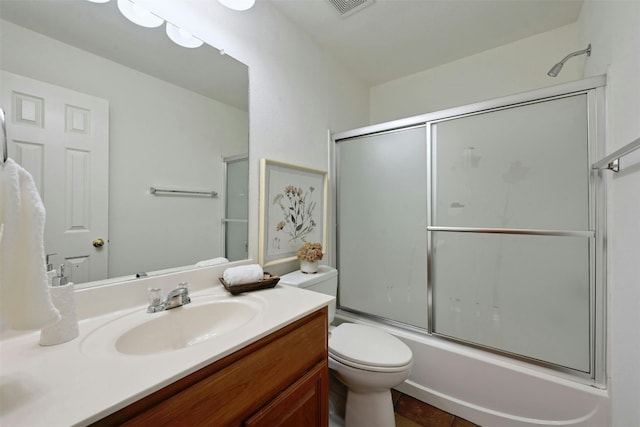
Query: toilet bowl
{"points": [[369, 362], [366, 360]]}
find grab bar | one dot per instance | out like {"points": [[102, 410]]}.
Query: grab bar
{"points": [[5, 142], [154, 190], [612, 161]]}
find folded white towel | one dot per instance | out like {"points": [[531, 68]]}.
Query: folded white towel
{"points": [[212, 261], [243, 274], [25, 301]]}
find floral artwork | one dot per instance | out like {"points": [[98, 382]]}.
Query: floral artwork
{"points": [[292, 210], [297, 211]]}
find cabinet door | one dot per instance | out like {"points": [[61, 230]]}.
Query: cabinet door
{"points": [[305, 403]]}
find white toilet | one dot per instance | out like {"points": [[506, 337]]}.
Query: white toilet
{"points": [[367, 360]]}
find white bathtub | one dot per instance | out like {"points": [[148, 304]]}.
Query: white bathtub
{"points": [[491, 390]]}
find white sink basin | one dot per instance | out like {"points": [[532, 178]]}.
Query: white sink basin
{"points": [[141, 333], [185, 326]]}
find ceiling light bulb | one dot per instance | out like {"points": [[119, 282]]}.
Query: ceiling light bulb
{"points": [[139, 15], [238, 4], [99, 1], [182, 37]]}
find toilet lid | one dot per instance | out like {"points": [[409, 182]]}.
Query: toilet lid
{"points": [[365, 345]]}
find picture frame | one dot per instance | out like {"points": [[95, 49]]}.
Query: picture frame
{"points": [[293, 210]]}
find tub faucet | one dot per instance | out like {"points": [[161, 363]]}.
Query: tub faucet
{"points": [[176, 298]]}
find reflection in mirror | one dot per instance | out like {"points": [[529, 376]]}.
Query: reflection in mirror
{"points": [[99, 111]]}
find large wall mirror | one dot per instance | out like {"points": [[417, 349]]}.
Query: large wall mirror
{"points": [[101, 110]]}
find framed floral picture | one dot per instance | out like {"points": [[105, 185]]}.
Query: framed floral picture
{"points": [[293, 210]]}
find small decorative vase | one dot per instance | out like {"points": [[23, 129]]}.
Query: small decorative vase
{"points": [[309, 267]]}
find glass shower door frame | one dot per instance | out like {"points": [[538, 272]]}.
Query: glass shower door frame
{"points": [[230, 219], [595, 233], [594, 87]]}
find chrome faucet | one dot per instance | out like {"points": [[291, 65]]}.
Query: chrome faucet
{"points": [[176, 298]]}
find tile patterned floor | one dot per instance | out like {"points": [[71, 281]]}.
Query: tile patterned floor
{"points": [[412, 412]]}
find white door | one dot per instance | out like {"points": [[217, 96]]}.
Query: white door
{"points": [[62, 138]]}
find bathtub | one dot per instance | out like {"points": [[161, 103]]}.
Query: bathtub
{"points": [[492, 390]]}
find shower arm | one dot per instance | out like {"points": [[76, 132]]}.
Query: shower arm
{"points": [[555, 70], [576, 53]]}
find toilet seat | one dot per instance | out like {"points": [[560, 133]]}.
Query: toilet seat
{"points": [[368, 348]]}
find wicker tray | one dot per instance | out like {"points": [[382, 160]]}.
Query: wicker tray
{"points": [[269, 281]]}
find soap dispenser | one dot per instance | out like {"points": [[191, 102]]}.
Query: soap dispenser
{"points": [[51, 273], [60, 279], [63, 297]]}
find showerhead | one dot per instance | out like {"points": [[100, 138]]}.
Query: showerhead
{"points": [[555, 70]]}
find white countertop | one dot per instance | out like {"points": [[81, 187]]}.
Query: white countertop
{"points": [[77, 383]]}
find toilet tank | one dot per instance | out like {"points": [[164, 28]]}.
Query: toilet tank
{"points": [[324, 281]]}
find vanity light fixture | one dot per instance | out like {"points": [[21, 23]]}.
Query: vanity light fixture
{"points": [[182, 37], [139, 15], [238, 4]]}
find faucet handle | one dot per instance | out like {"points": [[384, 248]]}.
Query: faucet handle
{"points": [[186, 299], [155, 297]]}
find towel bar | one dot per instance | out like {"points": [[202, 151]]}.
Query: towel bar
{"points": [[155, 190], [612, 161]]}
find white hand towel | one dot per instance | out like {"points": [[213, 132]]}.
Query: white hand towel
{"points": [[25, 302], [243, 274]]}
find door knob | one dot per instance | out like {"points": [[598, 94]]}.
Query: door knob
{"points": [[98, 243]]}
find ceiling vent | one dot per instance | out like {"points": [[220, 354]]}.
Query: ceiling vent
{"points": [[348, 7]]}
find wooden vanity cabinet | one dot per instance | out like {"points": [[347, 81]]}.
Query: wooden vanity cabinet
{"points": [[280, 380]]}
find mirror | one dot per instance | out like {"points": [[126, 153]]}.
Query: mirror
{"points": [[176, 118]]}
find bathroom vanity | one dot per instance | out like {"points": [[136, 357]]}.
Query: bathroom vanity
{"points": [[282, 377], [271, 365]]}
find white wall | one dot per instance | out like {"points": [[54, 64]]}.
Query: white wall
{"points": [[612, 29], [516, 67], [297, 94], [148, 146]]}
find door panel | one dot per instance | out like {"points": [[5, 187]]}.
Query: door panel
{"points": [[62, 138]]}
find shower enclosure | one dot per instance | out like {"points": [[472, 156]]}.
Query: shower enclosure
{"points": [[481, 224], [236, 208]]}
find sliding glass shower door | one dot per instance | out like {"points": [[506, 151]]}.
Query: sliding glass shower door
{"points": [[382, 217], [479, 225], [510, 233]]}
